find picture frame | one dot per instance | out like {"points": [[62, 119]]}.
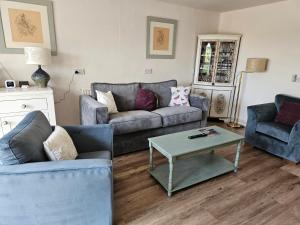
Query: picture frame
{"points": [[161, 38], [26, 23]]}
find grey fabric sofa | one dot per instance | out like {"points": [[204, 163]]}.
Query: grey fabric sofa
{"points": [[36, 191], [133, 127], [263, 132]]}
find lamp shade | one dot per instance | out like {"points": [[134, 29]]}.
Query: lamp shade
{"points": [[256, 65], [37, 56]]}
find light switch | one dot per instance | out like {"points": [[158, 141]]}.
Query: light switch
{"points": [[148, 71]]}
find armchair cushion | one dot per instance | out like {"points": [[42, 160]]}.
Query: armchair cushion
{"points": [[172, 116], [25, 142], [133, 121], [275, 130], [289, 113], [96, 155]]}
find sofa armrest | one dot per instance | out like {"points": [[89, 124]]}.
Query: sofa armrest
{"points": [[62, 192], [263, 112], [92, 112], [199, 102], [294, 140], [92, 138]]}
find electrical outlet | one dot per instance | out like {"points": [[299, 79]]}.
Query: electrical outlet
{"points": [[79, 72], [148, 71], [296, 78]]}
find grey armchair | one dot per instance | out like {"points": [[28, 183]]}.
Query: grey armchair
{"points": [[263, 132], [74, 192]]}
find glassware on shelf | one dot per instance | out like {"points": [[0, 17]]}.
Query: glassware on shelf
{"points": [[207, 61]]}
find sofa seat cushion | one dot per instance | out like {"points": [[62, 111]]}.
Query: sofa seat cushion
{"points": [[24, 143], [275, 130], [172, 116], [133, 121], [95, 155]]}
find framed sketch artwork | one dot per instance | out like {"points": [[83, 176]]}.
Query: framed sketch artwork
{"points": [[161, 38], [26, 23]]}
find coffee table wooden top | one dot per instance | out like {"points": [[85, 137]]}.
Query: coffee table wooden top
{"points": [[178, 144]]}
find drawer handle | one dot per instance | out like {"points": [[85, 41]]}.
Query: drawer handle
{"points": [[23, 106], [5, 123]]}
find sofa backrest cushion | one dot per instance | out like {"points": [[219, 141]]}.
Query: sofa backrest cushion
{"points": [[280, 99], [124, 94], [162, 91], [24, 143]]}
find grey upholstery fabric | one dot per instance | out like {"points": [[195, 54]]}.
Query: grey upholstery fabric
{"points": [[133, 121], [124, 94], [25, 142], [132, 142], [178, 115], [199, 102], [162, 91], [95, 155], [92, 112], [275, 130], [276, 141]]}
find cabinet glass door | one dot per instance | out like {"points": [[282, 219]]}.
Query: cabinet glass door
{"points": [[207, 61], [225, 64]]}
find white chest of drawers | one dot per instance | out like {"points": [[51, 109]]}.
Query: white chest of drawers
{"points": [[16, 103]]}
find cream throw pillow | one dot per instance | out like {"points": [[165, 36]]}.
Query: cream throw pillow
{"points": [[180, 96], [108, 100], [59, 145]]}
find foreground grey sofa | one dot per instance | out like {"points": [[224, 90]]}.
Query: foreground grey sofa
{"points": [[263, 132], [38, 192], [133, 127]]}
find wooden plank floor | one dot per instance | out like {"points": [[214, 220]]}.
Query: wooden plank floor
{"points": [[266, 190]]}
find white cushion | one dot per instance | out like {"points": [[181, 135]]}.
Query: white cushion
{"points": [[59, 145], [180, 96], [108, 100]]}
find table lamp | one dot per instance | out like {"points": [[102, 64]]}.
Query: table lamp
{"points": [[254, 65], [41, 57]]}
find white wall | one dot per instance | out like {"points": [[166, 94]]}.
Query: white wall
{"points": [[270, 31], [108, 39]]}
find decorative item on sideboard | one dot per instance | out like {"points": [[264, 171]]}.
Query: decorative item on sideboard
{"points": [[41, 57], [254, 65]]}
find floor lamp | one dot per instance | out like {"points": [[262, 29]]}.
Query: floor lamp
{"points": [[254, 65]]}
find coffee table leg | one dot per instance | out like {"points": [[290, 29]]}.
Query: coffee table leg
{"points": [[237, 156], [150, 156], [170, 184]]}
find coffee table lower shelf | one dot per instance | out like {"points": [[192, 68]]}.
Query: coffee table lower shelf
{"points": [[191, 171]]}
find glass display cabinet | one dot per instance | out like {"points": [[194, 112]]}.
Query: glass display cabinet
{"points": [[215, 70]]}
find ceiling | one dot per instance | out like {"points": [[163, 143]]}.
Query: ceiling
{"points": [[221, 5]]}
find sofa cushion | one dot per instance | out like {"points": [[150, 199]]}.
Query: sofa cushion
{"points": [[275, 130], [280, 99], [172, 116], [95, 155], [133, 121], [124, 94], [25, 142], [145, 100], [289, 113], [162, 91]]}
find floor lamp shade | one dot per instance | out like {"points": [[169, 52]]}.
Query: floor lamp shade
{"points": [[41, 57], [256, 65]]}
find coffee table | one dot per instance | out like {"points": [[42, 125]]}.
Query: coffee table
{"points": [[191, 161]]}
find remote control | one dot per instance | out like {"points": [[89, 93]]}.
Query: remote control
{"points": [[197, 136]]}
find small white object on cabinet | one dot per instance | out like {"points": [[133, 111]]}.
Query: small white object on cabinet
{"points": [[215, 70], [16, 103]]}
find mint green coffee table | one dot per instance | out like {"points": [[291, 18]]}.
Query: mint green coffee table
{"points": [[191, 161]]}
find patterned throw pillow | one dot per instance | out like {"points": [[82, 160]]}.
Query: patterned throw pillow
{"points": [[108, 100], [180, 96]]}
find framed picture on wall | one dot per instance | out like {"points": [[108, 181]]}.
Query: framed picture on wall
{"points": [[26, 23], [161, 38]]}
